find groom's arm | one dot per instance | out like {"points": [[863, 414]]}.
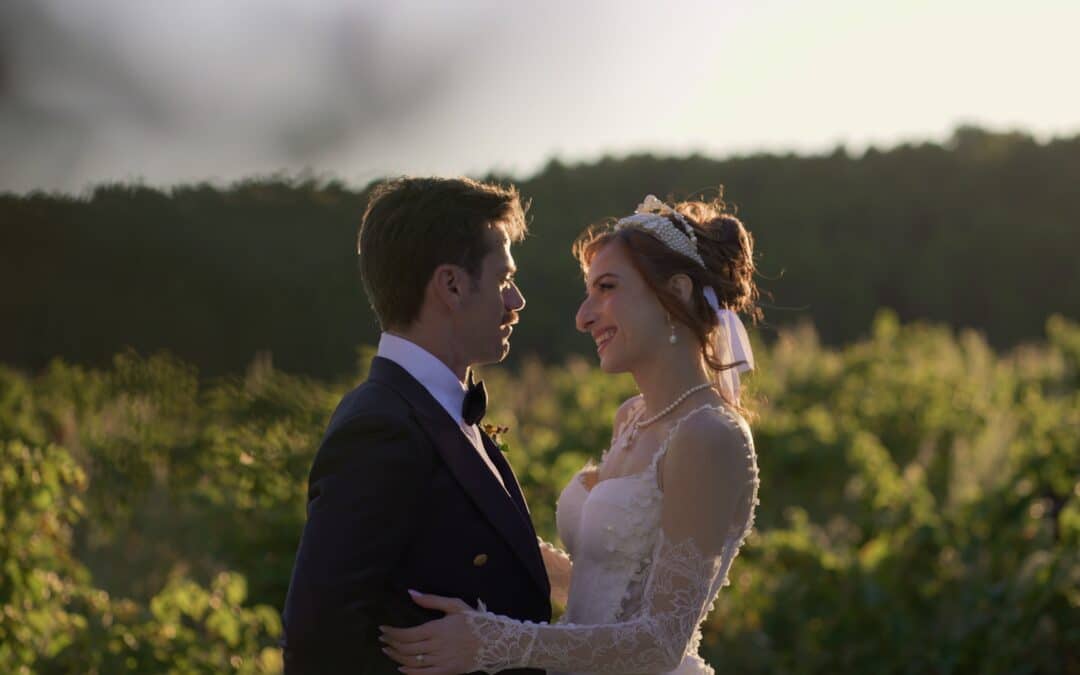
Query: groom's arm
{"points": [[363, 499]]}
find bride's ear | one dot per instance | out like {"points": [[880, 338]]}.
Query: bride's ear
{"points": [[682, 286]]}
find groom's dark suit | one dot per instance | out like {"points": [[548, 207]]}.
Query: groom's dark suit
{"points": [[398, 498]]}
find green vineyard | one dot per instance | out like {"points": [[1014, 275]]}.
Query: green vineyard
{"points": [[920, 504]]}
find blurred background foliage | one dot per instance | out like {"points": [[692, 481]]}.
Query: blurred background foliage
{"points": [[920, 504], [977, 232]]}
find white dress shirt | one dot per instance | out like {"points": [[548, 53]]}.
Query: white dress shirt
{"points": [[440, 382]]}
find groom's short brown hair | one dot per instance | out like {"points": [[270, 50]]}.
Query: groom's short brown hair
{"points": [[413, 225]]}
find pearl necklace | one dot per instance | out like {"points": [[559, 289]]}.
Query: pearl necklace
{"points": [[674, 404]]}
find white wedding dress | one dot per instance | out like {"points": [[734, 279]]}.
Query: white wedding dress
{"points": [[647, 562]]}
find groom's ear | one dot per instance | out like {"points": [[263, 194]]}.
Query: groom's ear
{"points": [[448, 284]]}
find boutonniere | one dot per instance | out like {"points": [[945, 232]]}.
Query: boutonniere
{"points": [[495, 431]]}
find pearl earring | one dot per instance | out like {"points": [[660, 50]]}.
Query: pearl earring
{"points": [[673, 339]]}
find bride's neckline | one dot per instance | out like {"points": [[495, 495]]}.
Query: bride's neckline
{"points": [[651, 468]]}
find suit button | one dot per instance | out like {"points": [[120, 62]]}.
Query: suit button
{"points": [[480, 560]]}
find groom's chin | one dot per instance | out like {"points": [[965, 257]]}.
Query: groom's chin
{"points": [[495, 355]]}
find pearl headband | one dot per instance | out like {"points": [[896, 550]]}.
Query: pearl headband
{"points": [[732, 344], [652, 215]]}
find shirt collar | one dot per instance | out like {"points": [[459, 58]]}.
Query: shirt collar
{"points": [[426, 369]]}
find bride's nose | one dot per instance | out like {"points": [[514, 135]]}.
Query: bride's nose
{"points": [[585, 316]]}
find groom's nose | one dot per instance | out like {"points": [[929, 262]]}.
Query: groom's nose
{"points": [[513, 299]]}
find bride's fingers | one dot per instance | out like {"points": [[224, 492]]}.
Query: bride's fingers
{"points": [[427, 663], [427, 671], [414, 634], [410, 648], [440, 603], [397, 657], [430, 665]]}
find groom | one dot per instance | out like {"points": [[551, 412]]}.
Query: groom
{"points": [[406, 492]]}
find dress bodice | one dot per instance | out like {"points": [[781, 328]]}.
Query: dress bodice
{"points": [[609, 532], [637, 597]]}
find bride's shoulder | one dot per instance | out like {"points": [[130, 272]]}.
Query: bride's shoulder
{"points": [[712, 433]]}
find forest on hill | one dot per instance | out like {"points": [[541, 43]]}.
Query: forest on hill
{"points": [[980, 231]]}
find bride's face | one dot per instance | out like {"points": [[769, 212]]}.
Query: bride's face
{"points": [[620, 312]]}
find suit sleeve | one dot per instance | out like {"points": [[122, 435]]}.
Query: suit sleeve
{"points": [[364, 496]]}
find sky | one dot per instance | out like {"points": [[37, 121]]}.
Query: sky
{"points": [[177, 92]]}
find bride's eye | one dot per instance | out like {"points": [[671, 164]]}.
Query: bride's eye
{"points": [[600, 286]]}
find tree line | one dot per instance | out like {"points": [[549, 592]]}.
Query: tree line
{"points": [[979, 231]]}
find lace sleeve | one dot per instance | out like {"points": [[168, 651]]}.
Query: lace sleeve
{"points": [[709, 496], [559, 568]]}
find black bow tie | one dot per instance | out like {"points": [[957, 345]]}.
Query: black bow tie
{"points": [[475, 404]]}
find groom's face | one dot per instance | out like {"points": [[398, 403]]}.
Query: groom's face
{"points": [[490, 311]]}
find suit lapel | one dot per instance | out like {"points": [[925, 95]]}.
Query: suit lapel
{"points": [[512, 485], [500, 507], [514, 489]]}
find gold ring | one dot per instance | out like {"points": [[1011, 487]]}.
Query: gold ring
{"points": [[419, 658]]}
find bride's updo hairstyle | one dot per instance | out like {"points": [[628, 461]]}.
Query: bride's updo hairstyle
{"points": [[727, 249]]}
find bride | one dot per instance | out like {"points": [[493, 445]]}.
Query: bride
{"points": [[653, 530]]}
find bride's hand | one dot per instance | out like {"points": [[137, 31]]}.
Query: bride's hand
{"points": [[444, 646]]}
